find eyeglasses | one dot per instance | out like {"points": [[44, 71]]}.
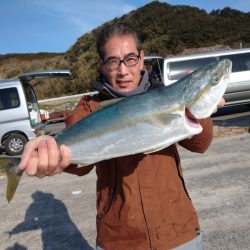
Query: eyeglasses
{"points": [[129, 61]]}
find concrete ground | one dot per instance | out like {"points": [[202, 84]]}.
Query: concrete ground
{"points": [[59, 212]]}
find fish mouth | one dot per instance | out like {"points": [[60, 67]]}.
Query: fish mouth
{"points": [[190, 117]]}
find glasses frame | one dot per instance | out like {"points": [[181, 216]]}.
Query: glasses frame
{"points": [[120, 61]]}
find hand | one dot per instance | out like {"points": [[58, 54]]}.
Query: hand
{"points": [[220, 104], [42, 157]]}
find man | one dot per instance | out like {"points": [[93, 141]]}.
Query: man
{"points": [[142, 202]]}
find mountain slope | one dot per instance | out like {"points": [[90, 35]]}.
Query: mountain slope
{"points": [[164, 30]]}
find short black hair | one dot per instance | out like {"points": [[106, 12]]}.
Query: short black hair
{"points": [[117, 29]]}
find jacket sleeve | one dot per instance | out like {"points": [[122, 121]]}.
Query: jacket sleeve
{"points": [[84, 107], [199, 143]]}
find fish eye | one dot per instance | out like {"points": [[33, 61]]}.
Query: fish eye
{"points": [[216, 79]]}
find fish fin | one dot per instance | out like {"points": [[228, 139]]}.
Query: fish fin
{"points": [[79, 164], [13, 173], [13, 181], [153, 150], [161, 120], [108, 103], [82, 164]]}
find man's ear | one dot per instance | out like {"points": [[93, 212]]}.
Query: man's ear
{"points": [[101, 65]]}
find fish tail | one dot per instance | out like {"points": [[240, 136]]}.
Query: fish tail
{"points": [[13, 173]]}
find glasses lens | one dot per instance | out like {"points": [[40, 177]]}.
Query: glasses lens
{"points": [[131, 60], [112, 64]]}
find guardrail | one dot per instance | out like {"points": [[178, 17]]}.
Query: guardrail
{"points": [[66, 98], [65, 105]]}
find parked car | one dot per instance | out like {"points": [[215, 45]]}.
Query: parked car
{"points": [[171, 69], [20, 118]]}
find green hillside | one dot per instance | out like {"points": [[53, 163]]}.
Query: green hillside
{"points": [[164, 30]]}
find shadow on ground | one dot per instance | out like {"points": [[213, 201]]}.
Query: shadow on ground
{"points": [[50, 216]]}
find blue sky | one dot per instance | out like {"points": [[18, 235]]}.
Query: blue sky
{"points": [[30, 26]]}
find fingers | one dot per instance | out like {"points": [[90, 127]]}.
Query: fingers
{"points": [[65, 156], [221, 103], [33, 162], [42, 157], [64, 160], [53, 156], [29, 148]]}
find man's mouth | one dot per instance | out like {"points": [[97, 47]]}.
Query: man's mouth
{"points": [[123, 83]]}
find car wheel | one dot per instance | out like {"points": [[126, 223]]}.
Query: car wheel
{"points": [[14, 144]]}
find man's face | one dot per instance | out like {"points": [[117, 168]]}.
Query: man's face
{"points": [[123, 78]]}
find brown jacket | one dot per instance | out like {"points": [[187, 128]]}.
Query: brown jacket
{"points": [[142, 202]]}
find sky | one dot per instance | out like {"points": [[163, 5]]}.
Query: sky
{"points": [[31, 26]]}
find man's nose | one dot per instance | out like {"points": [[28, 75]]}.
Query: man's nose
{"points": [[123, 69]]}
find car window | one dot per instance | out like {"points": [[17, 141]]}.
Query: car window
{"points": [[235, 61], [245, 62], [9, 98], [154, 68], [180, 69]]}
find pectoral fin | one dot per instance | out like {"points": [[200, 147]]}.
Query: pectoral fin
{"points": [[162, 121], [153, 150]]}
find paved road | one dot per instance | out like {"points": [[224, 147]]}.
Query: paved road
{"points": [[219, 185], [59, 212]]}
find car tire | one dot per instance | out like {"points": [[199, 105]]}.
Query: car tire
{"points": [[14, 144]]}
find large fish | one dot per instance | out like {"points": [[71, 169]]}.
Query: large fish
{"points": [[142, 123]]}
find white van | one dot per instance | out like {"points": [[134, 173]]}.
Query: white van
{"points": [[238, 90], [20, 118]]}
